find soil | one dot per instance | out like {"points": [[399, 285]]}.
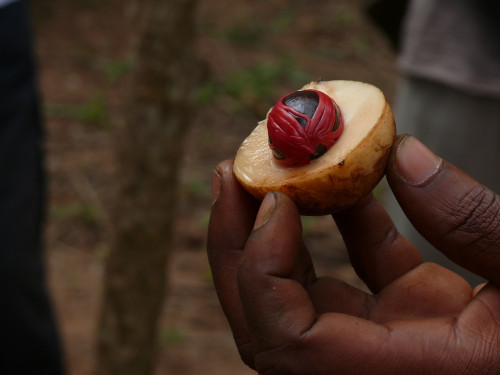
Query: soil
{"points": [[256, 51]]}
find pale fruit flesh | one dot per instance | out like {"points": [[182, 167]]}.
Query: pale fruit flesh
{"points": [[347, 172]]}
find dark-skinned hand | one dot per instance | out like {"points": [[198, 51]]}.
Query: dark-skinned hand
{"points": [[419, 319]]}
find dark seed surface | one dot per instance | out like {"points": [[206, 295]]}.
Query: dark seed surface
{"points": [[304, 102]]}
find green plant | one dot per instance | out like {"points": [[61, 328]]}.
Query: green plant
{"points": [[248, 33], [172, 337], [343, 17], [116, 69], [205, 220], [197, 188], [82, 57], [93, 112], [282, 21], [87, 213], [362, 45], [257, 82]]}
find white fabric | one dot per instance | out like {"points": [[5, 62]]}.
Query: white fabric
{"points": [[6, 2]]}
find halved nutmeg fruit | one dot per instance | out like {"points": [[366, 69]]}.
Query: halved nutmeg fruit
{"points": [[326, 146]]}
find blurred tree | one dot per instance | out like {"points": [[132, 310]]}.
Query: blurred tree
{"points": [[162, 91]]}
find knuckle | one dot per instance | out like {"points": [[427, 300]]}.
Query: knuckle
{"points": [[245, 349], [249, 272], [476, 219], [283, 360], [388, 238], [275, 364]]}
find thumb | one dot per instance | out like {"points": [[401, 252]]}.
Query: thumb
{"points": [[454, 212]]}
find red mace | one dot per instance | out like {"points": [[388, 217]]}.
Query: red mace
{"points": [[302, 126]]}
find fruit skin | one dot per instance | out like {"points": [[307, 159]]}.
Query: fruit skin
{"points": [[319, 189]]}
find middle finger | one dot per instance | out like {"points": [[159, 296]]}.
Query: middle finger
{"points": [[378, 253]]}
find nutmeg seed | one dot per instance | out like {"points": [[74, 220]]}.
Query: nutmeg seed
{"points": [[302, 126]]}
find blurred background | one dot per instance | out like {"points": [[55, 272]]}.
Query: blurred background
{"points": [[251, 53]]}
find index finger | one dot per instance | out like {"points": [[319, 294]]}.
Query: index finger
{"points": [[231, 221], [378, 253], [454, 212]]}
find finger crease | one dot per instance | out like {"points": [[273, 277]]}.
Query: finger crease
{"points": [[481, 222]]}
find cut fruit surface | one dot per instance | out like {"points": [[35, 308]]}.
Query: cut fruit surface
{"points": [[347, 172]]}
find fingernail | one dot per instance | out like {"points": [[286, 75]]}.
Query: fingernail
{"points": [[415, 162], [266, 210], [216, 184]]}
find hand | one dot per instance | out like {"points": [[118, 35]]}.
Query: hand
{"points": [[420, 319]]}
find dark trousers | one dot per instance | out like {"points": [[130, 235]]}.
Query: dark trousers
{"points": [[28, 336]]}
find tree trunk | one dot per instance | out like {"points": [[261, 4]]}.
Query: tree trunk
{"points": [[150, 147]]}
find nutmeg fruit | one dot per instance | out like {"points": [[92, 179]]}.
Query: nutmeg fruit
{"points": [[346, 172]]}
